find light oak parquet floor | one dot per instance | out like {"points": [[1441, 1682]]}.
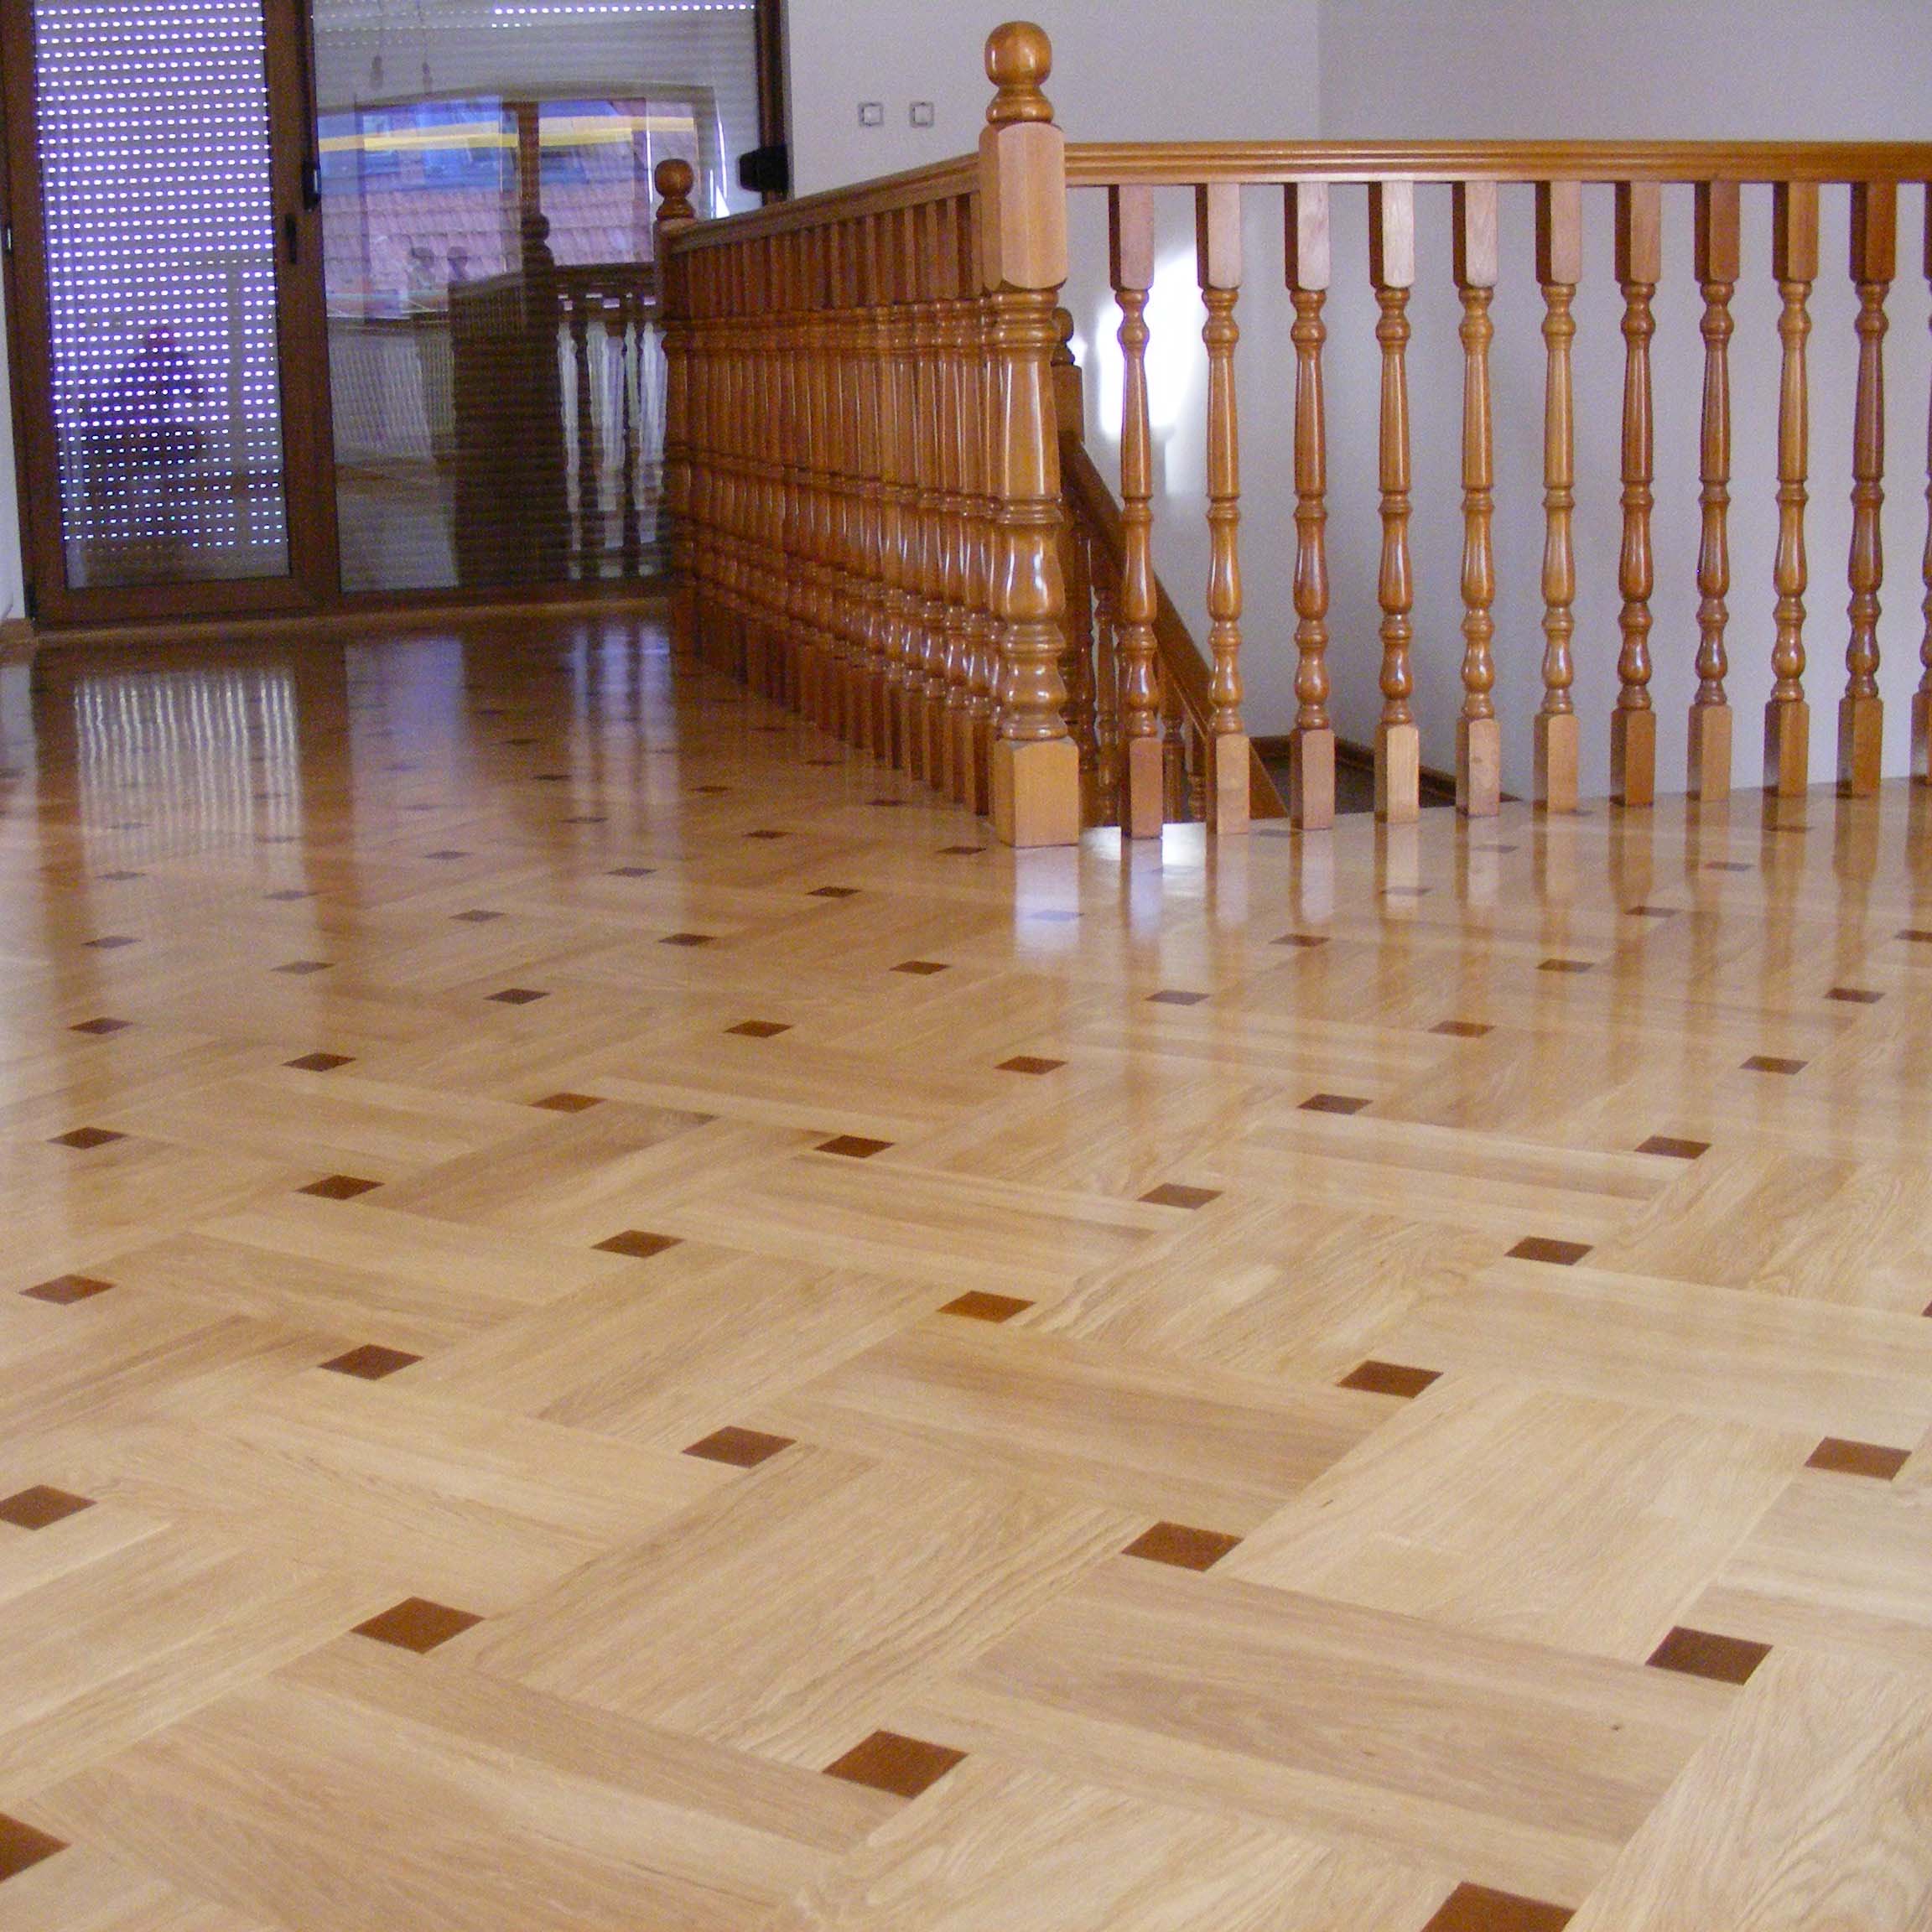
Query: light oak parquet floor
{"points": [[595, 1293]]}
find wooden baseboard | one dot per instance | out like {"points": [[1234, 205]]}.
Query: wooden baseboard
{"points": [[1437, 787]]}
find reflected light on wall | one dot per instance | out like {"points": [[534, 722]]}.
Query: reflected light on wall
{"points": [[1176, 362]]}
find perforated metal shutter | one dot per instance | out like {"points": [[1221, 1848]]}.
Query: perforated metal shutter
{"points": [[153, 136]]}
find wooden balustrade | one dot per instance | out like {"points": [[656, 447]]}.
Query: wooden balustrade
{"points": [[880, 508]]}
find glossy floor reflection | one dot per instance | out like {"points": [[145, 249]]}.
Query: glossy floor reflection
{"points": [[609, 1318]]}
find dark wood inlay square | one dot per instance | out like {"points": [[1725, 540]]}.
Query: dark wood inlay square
{"points": [[339, 1187], [22, 1846], [688, 939], [631, 872], [833, 892], [449, 853], [1855, 996], [904, 1767], [568, 1103], [712, 791], [1029, 1063], [1184, 1548], [112, 942], [1333, 1104], [1389, 1379], [418, 1624], [101, 1026], [1564, 966], [1772, 1063], [516, 996], [477, 915], [1175, 996], [1650, 911], [37, 1508], [977, 1304], [1304, 939], [1847, 1458], [320, 1062], [585, 818], [739, 1448], [1704, 1653], [371, 1363], [1674, 1148], [1407, 891], [64, 1290], [1726, 865], [759, 1029], [853, 1146], [921, 968], [960, 851], [118, 877], [84, 1138], [1461, 1029], [1544, 1247], [638, 1242], [1912, 935], [301, 969], [1479, 1908], [1178, 1194], [885, 804], [768, 833], [288, 897]]}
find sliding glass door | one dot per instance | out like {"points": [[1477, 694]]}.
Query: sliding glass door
{"points": [[170, 392]]}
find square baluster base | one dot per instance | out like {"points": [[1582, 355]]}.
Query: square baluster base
{"points": [[1036, 792], [1143, 805], [1398, 774], [1227, 796], [1311, 780], [1787, 748], [1922, 736], [1633, 758], [1558, 755], [1709, 756], [1861, 746], [1478, 767]]}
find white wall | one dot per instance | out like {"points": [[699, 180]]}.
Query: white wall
{"points": [[1691, 69], [1122, 70]]}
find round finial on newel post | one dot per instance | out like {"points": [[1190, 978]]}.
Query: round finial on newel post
{"points": [[1018, 58], [675, 178]]}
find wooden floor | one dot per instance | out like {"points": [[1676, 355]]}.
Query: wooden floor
{"points": [[609, 1319]]}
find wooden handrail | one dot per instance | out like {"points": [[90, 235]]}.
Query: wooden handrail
{"points": [[1182, 664], [916, 187], [1193, 164]]}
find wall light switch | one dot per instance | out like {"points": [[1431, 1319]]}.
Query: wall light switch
{"points": [[921, 113], [871, 113]]}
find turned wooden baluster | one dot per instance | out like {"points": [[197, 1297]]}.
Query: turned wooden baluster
{"points": [[1106, 683], [1392, 269], [626, 324], [1720, 247], [1217, 253], [1794, 263], [1558, 269], [1312, 744], [1639, 266], [850, 547], [674, 180], [894, 549], [589, 533], [954, 315], [1077, 660], [1478, 734], [1130, 223], [1023, 203], [982, 394], [1922, 697], [875, 403], [933, 616], [1861, 711]]}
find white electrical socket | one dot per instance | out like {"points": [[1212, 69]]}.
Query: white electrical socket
{"points": [[871, 113], [921, 113]]}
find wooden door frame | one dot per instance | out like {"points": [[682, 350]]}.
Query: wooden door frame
{"points": [[307, 445]]}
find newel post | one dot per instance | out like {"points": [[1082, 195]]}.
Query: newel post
{"points": [[1023, 263], [675, 180]]}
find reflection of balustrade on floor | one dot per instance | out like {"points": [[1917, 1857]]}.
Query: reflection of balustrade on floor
{"points": [[556, 396]]}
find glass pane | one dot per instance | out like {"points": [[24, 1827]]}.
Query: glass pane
{"points": [[487, 207], [154, 131]]}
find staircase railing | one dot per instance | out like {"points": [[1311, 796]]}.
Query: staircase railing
{"points": [[865, 474]]}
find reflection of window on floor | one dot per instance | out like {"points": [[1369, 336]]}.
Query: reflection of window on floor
{"points": [[496, 380]]}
